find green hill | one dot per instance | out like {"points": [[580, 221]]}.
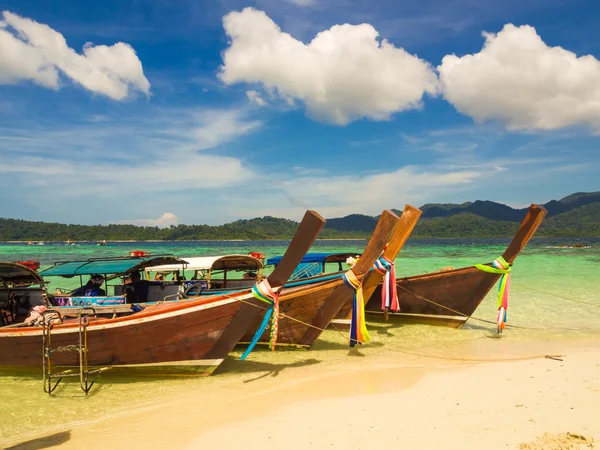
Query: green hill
{"points": [[575, 215]]}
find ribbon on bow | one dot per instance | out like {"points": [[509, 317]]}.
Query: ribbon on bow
{"points": [[358, 326], [265, 293], [389, 293], [500, 266]]}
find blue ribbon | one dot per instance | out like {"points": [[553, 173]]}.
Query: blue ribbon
{"points": [[259, 332]]}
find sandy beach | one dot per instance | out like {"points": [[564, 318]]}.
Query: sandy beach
{"points": [[529, 402]]}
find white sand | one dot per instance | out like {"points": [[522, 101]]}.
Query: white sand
{"points": [[461, 406]]}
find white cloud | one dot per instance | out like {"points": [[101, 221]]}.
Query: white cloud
{"points": [[344, 74], [33, 51], [335, 196], [163, 153], [216, 127], [164, 221], [520, 81], [303, 3], [255, 97]]}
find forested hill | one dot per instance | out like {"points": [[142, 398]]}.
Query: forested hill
{"points": [[575, 215]]}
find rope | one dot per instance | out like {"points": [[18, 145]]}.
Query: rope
{"points": [[502, 267], [263, 292], [446, 307], [422, 354], [450, 358], [358, 326], [389, 294], [283, 315], [558, 296], [478, 318]]}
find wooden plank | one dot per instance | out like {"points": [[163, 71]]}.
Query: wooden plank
{"points": [[305, 236], [342, 293], [533, 219], [409, 218], [253, 310]]}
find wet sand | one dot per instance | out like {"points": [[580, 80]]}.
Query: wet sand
{"points": [[414, 403]]}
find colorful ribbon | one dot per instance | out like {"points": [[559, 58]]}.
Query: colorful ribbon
{"points": [[358, 326], [500, 266], [389, 293], [265, 293]]}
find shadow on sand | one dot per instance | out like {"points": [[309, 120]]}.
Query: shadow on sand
{"points": [[234, 365], [43, 442]]}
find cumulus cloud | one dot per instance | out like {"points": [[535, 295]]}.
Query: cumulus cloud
{"points": [[33, 51], [344, 74], [164, 221], [520, 81]]}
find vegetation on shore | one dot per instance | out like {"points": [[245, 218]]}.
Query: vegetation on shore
{"points": [[575, 215]]}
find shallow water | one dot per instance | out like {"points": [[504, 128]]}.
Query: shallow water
{"points": [[548, 325]]}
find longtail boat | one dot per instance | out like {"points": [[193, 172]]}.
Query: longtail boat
{"points": [[373, 280], [308, 306], [192, 336], [450, 297]]}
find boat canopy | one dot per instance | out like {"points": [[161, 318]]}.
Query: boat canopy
{"points": [[110, 265], [223, 262], [317, 258], [17, 274]]}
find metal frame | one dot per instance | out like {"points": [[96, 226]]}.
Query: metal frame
{"points": [[81, 347]]}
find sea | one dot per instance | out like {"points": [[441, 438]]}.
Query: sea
{"points": [[554, 304]]}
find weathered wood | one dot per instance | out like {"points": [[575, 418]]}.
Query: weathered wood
{"points": [[409, 218], [451, 297], [342, 293], [169, 337], [308, 306], [311, 225]]}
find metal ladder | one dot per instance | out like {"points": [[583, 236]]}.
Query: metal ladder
{"points": [[84, 372]]}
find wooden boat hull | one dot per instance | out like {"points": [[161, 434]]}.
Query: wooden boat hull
{"points": [[193, 337], [446, 298], [196, 335], [450, 297], [308, 309], [300, 305]]}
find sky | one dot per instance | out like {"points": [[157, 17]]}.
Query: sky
{"points": [[157, 112]]}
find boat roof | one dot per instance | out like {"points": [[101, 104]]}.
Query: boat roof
{"points": [[317, 258], [17, 273], [222, 262], [110, 265]]}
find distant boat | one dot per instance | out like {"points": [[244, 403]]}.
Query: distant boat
{"points": [[102, 242]]}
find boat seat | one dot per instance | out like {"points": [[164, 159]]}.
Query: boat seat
{"points": [[26, 298]]}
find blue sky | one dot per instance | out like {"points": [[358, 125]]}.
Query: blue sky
{"points": [[156, 112]]}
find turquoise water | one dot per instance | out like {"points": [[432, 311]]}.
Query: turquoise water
{"points": [[548, 324]]}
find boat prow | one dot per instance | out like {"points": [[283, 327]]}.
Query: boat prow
{"points": [[450, 297]]}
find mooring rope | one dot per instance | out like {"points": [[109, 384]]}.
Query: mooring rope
{"points": [[450, 358], [556, 295]]}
